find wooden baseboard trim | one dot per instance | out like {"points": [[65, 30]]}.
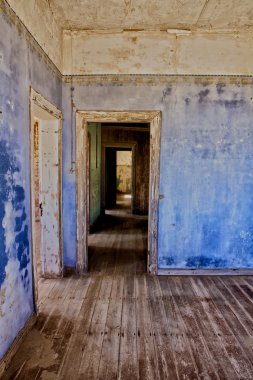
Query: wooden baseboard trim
{"points": [[205, 272], [5, 361]]}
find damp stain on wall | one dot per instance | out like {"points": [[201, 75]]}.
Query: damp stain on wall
{"points": [[15, 270], [13, 230], [5, 165]]}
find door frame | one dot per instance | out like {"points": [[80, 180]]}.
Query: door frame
{"points": [[38, 100], [82, 120]]}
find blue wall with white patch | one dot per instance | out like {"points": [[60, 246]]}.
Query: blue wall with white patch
{"points": [[23, 64], [205, 217]]}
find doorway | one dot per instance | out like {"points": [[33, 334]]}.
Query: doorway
{"points": [[119, 178], [45, 154], [118, 236], [124, 179], [82, 191]]}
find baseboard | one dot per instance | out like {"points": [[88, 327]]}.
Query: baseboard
{"points": [[5, 361], [205, 272]]}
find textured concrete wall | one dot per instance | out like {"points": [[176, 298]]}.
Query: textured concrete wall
{"points": [[205, 217], [94, 130], [22, 64]]}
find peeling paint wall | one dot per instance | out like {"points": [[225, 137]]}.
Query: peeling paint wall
{"points": [[206, 178], [39, 19], [22, 64], [144, 52]]}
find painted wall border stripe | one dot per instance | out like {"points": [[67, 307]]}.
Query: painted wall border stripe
{"points": [[156, 80]]}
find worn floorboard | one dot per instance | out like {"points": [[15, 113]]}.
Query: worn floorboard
{"points": [[120, 323]]}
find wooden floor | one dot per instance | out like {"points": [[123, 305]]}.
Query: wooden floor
{"points": [[120, 323]]}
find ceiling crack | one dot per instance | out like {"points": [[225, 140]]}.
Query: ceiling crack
{"points": [[202, 12]]}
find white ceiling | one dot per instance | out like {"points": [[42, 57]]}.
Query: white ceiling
{"points": [[152, 14]]}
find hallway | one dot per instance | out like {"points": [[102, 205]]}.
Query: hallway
{"points": [[118, 322]]}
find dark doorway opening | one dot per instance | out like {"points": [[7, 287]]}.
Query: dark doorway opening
{"points": [[118, 235]]}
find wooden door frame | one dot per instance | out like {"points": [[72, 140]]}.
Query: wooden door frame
{"points": [[38, 100], [82, 120], [132, 147]]}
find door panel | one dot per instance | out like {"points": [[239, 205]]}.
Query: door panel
{"points": [[50, 198]]}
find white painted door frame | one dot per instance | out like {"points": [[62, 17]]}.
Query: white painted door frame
{"points": [[82, 120], [38, 100]]}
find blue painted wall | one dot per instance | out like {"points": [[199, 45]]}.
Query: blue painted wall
{"points": [[23, 63], [205, 218]]}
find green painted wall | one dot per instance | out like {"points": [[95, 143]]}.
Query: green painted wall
{"points": [[94, 130]]}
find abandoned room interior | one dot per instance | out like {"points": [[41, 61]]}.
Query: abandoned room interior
{"points": [[126, 189]]}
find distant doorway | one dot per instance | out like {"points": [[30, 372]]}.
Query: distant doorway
{"points": [[117, 242]]}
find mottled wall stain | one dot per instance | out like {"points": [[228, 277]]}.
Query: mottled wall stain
{"points": [[12, 207], [202, 95], [15, 259], [5, 165]]}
